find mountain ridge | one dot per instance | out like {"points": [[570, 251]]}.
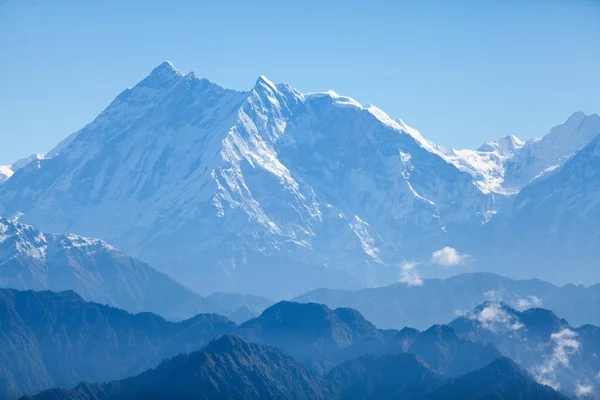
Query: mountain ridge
{"points": [[57, 339], [30, 259]]}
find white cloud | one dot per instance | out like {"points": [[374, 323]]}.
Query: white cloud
{"points": [[493, 318], [565, 345], [448, 257], [598, 376], [492, 294], [409, 274], [582, 390], [528, 302]]}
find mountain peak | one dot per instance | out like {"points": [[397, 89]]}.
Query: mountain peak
{"points": [[506, 145], [163, 75], [441, 331], [191, 75], [265, 82], [578, 115], [226, 343], [166, 67]]}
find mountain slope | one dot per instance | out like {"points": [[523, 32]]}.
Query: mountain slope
{"points": [[5, 173], [383, 377], [502, 379], [539, 157], [227, 369], [269, 191], [313, 333], [57, 339], [30, 259], [446, 353], [554, 221], [508, 164]]}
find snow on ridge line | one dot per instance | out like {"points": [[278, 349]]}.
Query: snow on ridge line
{"points": [[67, 239], [382, 116], [5, 172], [342, 101]]}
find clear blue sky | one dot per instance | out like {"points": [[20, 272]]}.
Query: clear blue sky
{"points": [[462, 72]]}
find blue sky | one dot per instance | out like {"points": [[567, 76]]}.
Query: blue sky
{"points": [[462, 72]]}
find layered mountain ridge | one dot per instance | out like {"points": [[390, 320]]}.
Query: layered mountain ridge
{"points": [[56, 339], [398, 305], [270, 191]]}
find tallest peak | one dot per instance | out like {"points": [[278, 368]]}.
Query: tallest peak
{"points": [[263, 81], [166, 67], [163, 75]]}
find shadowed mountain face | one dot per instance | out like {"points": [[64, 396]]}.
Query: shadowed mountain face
{"points": [[439, 300], [313, 333], [502, 379], [57, 339], [443, 350], [399, 376], [230, 368]]}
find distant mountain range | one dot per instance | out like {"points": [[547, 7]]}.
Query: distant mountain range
{"points": [[275, 192], [441, 300], [321, 338], [52, 339], [30, 259]]}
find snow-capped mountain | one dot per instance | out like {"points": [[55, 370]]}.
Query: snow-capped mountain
{"points": [[554, 221], [224, 188], [5, 173], [30, 259], [508, 164], [538, 157], [269, 191]]}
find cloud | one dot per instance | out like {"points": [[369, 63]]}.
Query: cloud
{"points": [[582, 390], [448, 257], [409, 274], [528, 302], [565, 345], [492, 294], [493, 318]]}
